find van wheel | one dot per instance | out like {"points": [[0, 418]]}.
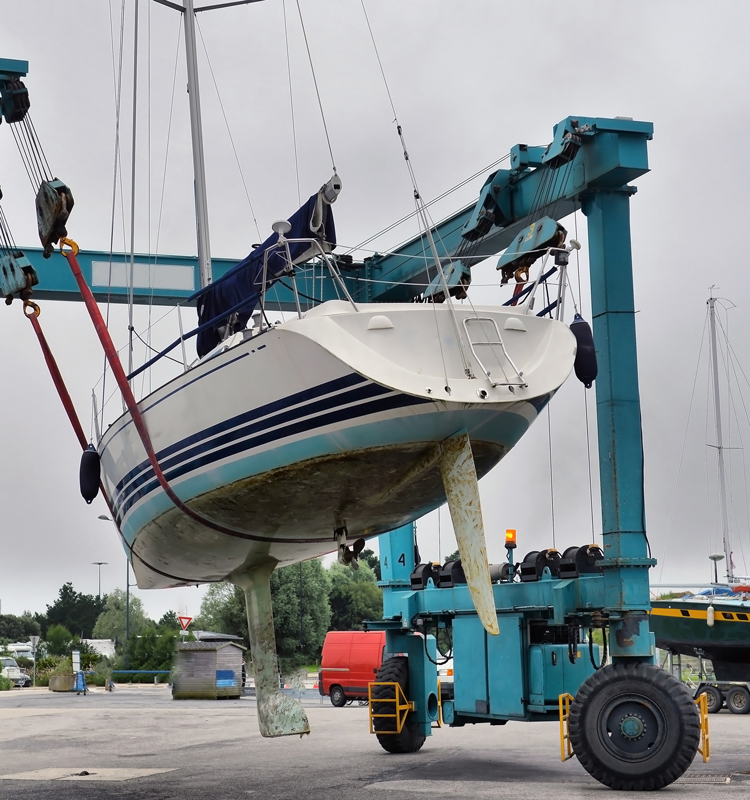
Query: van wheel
{"points": [[338, 698], [394, 670]]}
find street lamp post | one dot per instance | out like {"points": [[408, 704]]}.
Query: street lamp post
{"points": [[100, 564], [127, 599], [34, 642]]}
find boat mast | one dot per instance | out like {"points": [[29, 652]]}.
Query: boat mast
{"points": [[196, 130], [719, 443]]}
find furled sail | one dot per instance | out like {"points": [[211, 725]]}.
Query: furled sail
{"points": [[220, 300]]}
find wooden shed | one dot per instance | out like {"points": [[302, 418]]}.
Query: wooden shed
{"points": [[207, 670]]}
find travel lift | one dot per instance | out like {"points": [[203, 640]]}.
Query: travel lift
{"points": [[517, 630], [630, 723]]}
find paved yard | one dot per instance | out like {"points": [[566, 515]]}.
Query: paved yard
{"points": [[138, 743]]}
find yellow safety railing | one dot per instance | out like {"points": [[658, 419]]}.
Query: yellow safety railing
{"points": [[566, 748], [705, 747], [401, 707]]}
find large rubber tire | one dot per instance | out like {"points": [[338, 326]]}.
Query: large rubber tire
{"points": [[394, 670], [738, 700], [714, 698], [338, 698], [634, 727]]}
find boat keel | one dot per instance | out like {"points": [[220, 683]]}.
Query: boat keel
{"points": [[278, 714], [462, 491]]}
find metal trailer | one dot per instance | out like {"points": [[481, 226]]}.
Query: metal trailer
{"points": [[734, 694]]}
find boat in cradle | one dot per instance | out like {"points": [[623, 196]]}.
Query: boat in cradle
{"points": [[713, 623]]}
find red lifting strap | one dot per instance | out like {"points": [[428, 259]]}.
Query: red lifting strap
{"points": [[57, 378], [140, 424]]}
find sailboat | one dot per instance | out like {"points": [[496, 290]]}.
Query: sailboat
{"points": [[287, 441], [713, 623]]}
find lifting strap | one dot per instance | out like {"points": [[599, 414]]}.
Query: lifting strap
{"points": [[140, 424]]}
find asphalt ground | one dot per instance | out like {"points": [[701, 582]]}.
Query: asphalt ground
{"points": [[137, 742]]}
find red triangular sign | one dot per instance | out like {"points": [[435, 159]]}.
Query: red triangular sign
{"points": [[184, 622]]}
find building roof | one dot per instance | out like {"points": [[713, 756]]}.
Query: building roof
{"points": [[208, 646]]}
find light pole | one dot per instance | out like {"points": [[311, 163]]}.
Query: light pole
{"points": [[34, 642], [127, 599], [100, 564]]}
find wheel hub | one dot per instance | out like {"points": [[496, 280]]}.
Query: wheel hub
{"points": [[632, 726]]}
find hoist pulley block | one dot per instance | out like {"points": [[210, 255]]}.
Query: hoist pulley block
{"points": [[17, 276], [14, 96], [54, 202], [530, 244]]}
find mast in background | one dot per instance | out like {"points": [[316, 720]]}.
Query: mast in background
{"points": [[719, 443]]}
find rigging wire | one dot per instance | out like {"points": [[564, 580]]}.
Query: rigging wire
{"points": [[315, 81], [291, 104], [421, 211], [551, 475], [732, 407], [131, 276], [432, 202], [117, 73], [229, 131], [684, 444], [585, 393]]}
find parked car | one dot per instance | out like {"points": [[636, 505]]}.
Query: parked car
{"points": [[13, 672], [349, 662]]}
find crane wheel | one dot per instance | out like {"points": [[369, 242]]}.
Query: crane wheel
{"points": [[634, 727], [394, 670]]}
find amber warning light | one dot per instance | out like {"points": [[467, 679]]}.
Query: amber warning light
{"points": [[510, 538]]}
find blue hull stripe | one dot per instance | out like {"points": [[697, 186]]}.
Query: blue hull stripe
{"points": [[203, 443], [261, 411], [352, 412]]}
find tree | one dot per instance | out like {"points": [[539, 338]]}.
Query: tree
{"points": [[301, 612], [58, 640], [372, 561], [169, 621], [111, 622], [354, 597], [76, 611], [18, 629], [153, 648], [295, 587], [454, 556], [223, 611]]}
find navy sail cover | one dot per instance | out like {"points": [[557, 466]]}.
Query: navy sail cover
{"points": [[245, 281]]}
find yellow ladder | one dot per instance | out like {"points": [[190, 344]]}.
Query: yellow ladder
{"points": [[402, 707]]}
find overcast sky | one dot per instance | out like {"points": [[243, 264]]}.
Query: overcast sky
{"points": [[468, 81]]}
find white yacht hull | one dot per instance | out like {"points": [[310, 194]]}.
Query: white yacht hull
{"points": [[319, 423]]}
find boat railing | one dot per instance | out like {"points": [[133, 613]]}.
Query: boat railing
{"points": [[318, 250]]}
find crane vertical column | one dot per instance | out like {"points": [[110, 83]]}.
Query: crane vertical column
{"points": [[626, 558]]}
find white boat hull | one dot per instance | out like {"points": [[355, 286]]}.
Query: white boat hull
{"points": [[320, 423]]}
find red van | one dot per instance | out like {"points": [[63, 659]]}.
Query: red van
{"points": [[350, 661]]}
